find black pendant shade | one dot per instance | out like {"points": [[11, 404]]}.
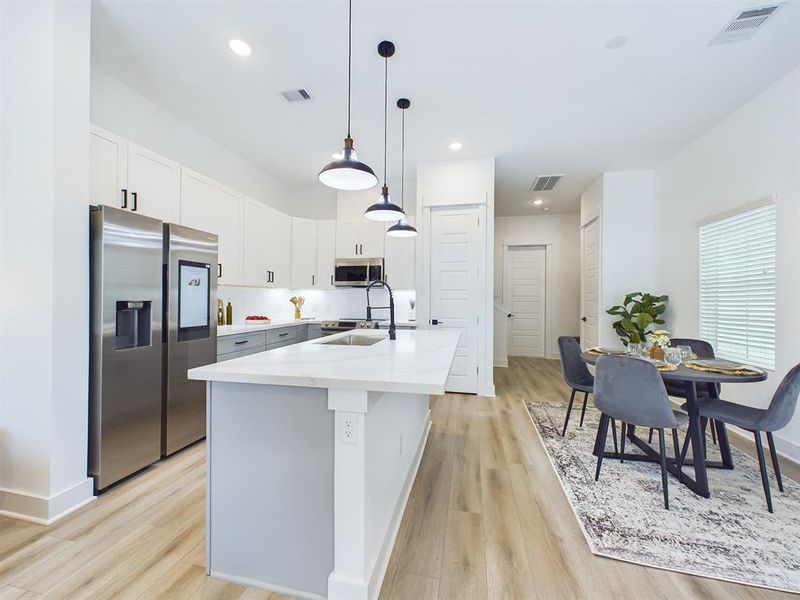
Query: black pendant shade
{"points": [[402, 229], [348, 173], [384, 209]]}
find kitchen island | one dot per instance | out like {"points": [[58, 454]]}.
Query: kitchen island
{"points": [[312, 452]]}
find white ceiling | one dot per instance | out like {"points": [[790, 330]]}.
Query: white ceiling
{"points": [[530, 83]]}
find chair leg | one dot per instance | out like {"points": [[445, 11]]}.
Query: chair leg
{"points": [[703, 425], [583, 410], [713, 431], [569, 410], [663, 451], [762, 464], [678, 458], [614, 433], [650, 436], [623, 434], [775, 465], [602, 434]]}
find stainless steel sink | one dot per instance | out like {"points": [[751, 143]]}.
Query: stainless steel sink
{"points": [[354, 340]]}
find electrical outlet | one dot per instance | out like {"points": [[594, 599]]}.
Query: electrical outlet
{"points": [[349, 428]]}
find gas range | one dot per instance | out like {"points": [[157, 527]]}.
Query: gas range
{"points": [[331, 327]]}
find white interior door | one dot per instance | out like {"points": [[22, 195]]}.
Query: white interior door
{"points": [[455, 289], [590, 283], [524, 282]]}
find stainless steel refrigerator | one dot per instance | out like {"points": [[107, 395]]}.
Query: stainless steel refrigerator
{"points": [[153, 292], [125, 343], [190, 325]]}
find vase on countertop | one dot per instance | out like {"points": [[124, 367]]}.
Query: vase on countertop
{"points": [[297, 315]]}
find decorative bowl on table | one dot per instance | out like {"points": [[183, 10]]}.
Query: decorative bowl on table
{"points": [[257, 320]]}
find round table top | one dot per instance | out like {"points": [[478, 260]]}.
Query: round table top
{"points": [[684, 373]]}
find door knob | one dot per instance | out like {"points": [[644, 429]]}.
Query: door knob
{"points": [[583, 319], [436, 322]]}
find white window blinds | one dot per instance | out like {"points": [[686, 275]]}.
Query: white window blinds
{"points": [[737, 285]]}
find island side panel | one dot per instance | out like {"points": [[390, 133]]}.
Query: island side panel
{"points": [[270, 486], [396, 430]]}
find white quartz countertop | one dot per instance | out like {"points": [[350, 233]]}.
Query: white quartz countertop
{"points": [[417, 362], [223, 330]]}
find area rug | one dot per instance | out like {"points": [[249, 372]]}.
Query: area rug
{"points": [[729, 536]]}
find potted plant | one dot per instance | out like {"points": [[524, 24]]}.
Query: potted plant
{"points": [[637, 313]]}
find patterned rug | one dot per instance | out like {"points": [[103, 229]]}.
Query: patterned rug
{"points": [[729, 536]]}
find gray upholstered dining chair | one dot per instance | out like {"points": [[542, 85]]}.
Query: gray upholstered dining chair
{"points": [[631, 390], [576, 374], [776, 416]]}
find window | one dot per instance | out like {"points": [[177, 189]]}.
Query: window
{"points": [[737, 285]]}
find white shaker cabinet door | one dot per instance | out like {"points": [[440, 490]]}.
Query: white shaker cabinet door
{"points": [[154, 184], [197, 195], [304, 253], [279, 248], [226, 214], [256, 246], [326, 253], [359, 239], [108, 168]]}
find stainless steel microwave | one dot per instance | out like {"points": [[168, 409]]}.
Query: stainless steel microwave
{"points": [[357, 272]]}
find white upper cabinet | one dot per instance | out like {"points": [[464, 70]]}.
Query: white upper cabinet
{"points": [[256, 272], [226, 220], [197, 194], [279, 248], [108, 171], [326, 253], [304, 253], [357, 239], [400, 263], [154, 184]]}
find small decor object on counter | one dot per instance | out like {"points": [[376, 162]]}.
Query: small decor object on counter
{"points": [[298, 302], [637, 312], [257, 320], [220, 311], [229, 314], [412, 313]]}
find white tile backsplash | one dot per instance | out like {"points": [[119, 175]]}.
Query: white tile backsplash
{"points": [[321, 304]]}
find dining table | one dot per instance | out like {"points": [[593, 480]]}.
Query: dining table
{"points": [[696, 431]]}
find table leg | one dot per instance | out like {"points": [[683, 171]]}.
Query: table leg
{"points": [[700, 483], [722, 435]]}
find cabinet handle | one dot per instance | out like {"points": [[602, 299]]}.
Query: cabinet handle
{"points": [[361, 249], [124, 198], [356, 250], [312, 281], [134, 198], [241, 342], [331, 279], [283, 334], [219, 270]]}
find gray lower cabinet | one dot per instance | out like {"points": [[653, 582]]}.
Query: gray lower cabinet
{"points": [[242, 344], [314, 331]]}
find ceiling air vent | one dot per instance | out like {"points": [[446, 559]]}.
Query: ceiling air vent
{"points": [[545, 183], [295, 95], [744, 25]]}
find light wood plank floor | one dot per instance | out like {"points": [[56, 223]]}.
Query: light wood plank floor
{"points": [[486, 519]]}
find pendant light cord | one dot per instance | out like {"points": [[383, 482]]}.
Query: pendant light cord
{"points": [[349, 61], [403, 161], [385, 112]]}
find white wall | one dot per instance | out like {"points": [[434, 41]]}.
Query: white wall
{"points": [[44, 323], [624, 201], [561, 235], [125, 111], [753, 153]]}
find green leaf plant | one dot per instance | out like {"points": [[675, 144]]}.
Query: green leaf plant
{"points": [[637, 313]]}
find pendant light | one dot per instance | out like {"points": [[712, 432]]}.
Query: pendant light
{"points": [[348, 173], [384, 209], [402, 229]]}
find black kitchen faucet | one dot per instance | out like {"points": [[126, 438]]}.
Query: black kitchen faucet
{"points": [[379, 283]]}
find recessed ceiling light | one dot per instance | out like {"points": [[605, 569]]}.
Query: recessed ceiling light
{"points": [[618, 41], [546, 208], [456, 145], [538, 202], [240, 47]]}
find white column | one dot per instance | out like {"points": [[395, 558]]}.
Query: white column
{"points": [[44, 155], [348, 581]]}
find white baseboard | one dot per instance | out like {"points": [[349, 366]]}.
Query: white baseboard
{"points": [[501, 363], [786, 448], [270, 587], [45, 510]]}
